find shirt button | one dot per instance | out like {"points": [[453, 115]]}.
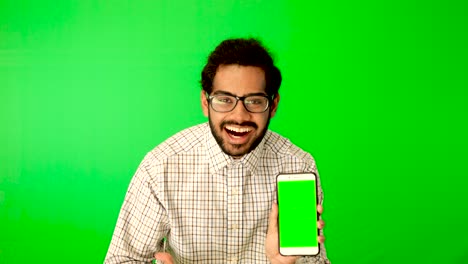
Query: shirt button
{"points": [[235, 191], [235, 226], [233, 260]]}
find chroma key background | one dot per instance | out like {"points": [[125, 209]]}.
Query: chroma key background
{"points": [[375, 90]]}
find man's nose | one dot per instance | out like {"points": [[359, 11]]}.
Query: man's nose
{"points": [[240, 110]]}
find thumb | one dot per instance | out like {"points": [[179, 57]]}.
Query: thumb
{"points": [[273, 220]]}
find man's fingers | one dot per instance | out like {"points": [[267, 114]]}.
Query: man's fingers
{"points": [[321, 239], [319, 208], [163, 257], [320, 224]]}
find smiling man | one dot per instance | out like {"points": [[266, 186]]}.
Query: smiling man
{"points": [[238, 127], [209, 191]]}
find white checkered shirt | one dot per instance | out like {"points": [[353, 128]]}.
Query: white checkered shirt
{"points": [[212, 208]]}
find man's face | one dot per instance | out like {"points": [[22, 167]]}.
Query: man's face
{"points": [[238, 132]]}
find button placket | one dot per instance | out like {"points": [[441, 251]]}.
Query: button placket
{"points": [[235, 208]]}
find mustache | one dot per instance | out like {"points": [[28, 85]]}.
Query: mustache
{"points": [[246, 123]]}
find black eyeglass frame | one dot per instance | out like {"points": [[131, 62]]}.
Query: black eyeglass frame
{"points": [[239, 98]]}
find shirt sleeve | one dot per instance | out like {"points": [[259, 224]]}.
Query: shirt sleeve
{"points": [[142, 223], [321, 258]]}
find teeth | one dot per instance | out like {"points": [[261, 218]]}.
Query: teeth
{"points": [[239, 129]]}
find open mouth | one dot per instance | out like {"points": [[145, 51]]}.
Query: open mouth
{"points": [[238, 132]]}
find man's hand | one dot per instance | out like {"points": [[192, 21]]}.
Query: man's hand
{"points": [[272, 243], [163, 257]]}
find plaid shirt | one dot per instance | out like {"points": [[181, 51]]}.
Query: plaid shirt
{"points": [[212, 208]]}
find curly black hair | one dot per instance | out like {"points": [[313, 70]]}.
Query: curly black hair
{"points": [[244, 52]]}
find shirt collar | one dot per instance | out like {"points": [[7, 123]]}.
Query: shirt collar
{"points": [[218, 159]]}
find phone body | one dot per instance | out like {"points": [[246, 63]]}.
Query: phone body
{"points": [[297, 214]]}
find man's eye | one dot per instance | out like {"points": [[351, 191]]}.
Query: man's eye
{"points": [[224, 99], [255, 101]]}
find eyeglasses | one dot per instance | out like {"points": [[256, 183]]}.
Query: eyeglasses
{"points": [[226, 103]]}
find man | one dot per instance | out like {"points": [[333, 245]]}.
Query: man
{"points": [[211, 189]]}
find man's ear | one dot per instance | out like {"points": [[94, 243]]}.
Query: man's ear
{"points": [[204, 103], [274, 105]]}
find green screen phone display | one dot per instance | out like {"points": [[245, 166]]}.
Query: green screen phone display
{"points": [[297, 213]]}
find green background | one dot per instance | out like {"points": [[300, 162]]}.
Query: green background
{"points": [[296, 214], [375, 90]]}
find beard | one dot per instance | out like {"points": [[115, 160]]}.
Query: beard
{"points": [[222, 144]]}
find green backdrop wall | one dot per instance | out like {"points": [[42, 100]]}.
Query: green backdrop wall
{"points": [[376, 91]]}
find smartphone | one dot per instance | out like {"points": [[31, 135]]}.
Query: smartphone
{"points": [[297, 214]]}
